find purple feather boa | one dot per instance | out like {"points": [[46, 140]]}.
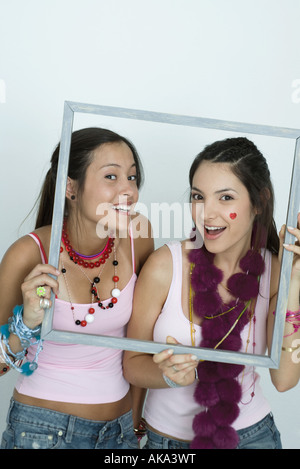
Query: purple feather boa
{"points": [[218, 389]]}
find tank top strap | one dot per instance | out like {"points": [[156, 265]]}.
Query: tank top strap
{"points": [[174, 295], [35, 237], [132, 248]]}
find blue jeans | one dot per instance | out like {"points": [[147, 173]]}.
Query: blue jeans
{"points": [[262, 435], [30, 427]]}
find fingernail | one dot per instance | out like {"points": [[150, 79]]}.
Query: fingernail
{"points": [[285, 245], [193, 357], [291, 228]]}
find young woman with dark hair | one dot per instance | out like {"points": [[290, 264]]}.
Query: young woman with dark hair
{"points": [[221, 296], [75, 396]]}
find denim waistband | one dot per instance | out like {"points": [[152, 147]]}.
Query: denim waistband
{"points": [[69, 424]]}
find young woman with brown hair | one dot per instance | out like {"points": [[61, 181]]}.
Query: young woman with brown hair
{"points": [[76, 396], [220, 296]]}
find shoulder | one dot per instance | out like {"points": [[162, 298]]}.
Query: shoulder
{"points": [[158, 266], [25, 251], [158, 262], [155, 278], [44, 234], [161, 257], [18, 261]]}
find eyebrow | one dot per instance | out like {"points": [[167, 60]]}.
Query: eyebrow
{"points": [[227, 189], [115, 165]]}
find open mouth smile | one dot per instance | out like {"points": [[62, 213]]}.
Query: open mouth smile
{"points": [[122, 208], [213, 232]]}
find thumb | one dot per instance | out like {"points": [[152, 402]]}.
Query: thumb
{"points": [[171, 340]]}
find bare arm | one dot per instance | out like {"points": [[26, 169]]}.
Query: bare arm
{"points": [[20, 275], [151, 291], [288, 374], [144, 246]]}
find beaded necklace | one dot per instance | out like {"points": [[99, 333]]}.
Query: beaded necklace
{"points": [[78, 260], [81, 259]]}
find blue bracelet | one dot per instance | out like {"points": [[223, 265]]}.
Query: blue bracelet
{"points": [[27, 338], [17, 326]]}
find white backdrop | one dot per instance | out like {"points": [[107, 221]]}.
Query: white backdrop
{"points": [[225, 59]]}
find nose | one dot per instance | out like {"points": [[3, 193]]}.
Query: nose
{"points": [[198, 215], [127, 188], [209, 210]]}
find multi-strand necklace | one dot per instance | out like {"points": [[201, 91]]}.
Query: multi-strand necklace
{"points": [[84, 262]]}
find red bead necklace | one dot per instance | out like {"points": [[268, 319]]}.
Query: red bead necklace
{"points": [[82, 260]]}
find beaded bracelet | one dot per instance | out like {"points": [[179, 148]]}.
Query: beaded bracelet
{"points": [[27, 338]]}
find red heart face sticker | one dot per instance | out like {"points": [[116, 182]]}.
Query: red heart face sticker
{"points": [[233, 216]]}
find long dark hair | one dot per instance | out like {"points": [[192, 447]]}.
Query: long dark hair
{"points": [[83, 143], [250, 166]]}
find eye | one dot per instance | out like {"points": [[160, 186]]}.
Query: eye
{"points": [[196, 196], [226, 197], [111, 176], [132, 178]]}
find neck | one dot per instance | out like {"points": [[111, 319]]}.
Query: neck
{"points": [[228, 261], [83, 237]]}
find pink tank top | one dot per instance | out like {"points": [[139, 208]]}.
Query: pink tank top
{"points": [[81, 373], [171, 410]]}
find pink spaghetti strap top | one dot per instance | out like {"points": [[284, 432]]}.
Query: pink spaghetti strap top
{"points": [[81, 373], [171, 410]]}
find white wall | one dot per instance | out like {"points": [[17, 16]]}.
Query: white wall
{"points": [[226, 59]]}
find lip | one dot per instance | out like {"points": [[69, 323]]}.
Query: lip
{"points": [[214, 232], [124, 209]]}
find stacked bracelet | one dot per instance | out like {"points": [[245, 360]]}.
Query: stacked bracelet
{"points": [[27, 338], [292, 317]]}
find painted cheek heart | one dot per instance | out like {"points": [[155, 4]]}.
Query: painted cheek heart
{"points": [[233, 216]]}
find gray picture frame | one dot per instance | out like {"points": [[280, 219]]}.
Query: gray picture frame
{"points": [[48, 333]]}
